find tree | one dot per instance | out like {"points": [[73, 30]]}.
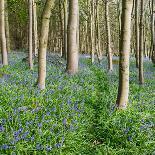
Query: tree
{"points": [[43, 43], [141, 52], [35, 28], [65, 6], [2, 33], [123, 90], [92, 14], [30, 34], [153, 32], [72, 41], [7, 28], [108, 36], [137, 31]]}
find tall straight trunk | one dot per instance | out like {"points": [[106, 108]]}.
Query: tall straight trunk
{"points": [[99, 53], [30, 35], [61, 25], [123, 90], [43, 43], [119, 10], [92, 13], [108, 35], [137, 31], [153, 33], [65, 5], [7, 27], [141, 52], [35, 27], [72, 41], [2, 33]]}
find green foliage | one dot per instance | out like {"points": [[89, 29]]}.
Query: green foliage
{"points": [[75, 114]]}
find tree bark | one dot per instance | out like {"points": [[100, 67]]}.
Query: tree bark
{"points": [[137, 32], [43, 43], [123, 90], [35, 28], [73, 38], [30, 35], [108, 36], [65, 4], [141, 52], [2, 33], [7, 28]]}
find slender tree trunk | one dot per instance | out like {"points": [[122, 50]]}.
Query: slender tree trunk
{"points": [[153, 33], [65, 4], [2, 33], [43, 43], [108, 35], [30, 35], [72, 42], [7, 27], [35, 28], [92, 13], [141, 53], [137, 31], [123, 90], [61, 40]]}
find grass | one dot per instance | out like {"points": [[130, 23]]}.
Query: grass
{"points": [[75, 114]]}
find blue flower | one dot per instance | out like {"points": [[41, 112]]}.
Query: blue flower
{"points": [[5, 147], [64, 121], [48, 148], [129, 138], [58, 145], [38, 147], [2, 128]]}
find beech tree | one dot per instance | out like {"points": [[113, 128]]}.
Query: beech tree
{"points": [[123, 90], [3, 34], [30, 34], [109, 50], [137, 32], [141, 39], [35, 27], [43, 43], [72, 40]]}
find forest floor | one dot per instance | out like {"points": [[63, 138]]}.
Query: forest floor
{"points": [[75, 114]]}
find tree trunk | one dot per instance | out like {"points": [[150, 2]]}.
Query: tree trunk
{"points": [[35, 28], [43, 43], [2, 33], [72, 42], [65, 4], [92, 13], [7, 28], [30, 35], [141, 74], [153, 33], [137, 32], [108, 35], [123, 90]]}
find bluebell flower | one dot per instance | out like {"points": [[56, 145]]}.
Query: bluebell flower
{"points": [[58, 145], [5, 146], [39, 125], [2, 128], [48, 148], [129, 138], [38, 147]]}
